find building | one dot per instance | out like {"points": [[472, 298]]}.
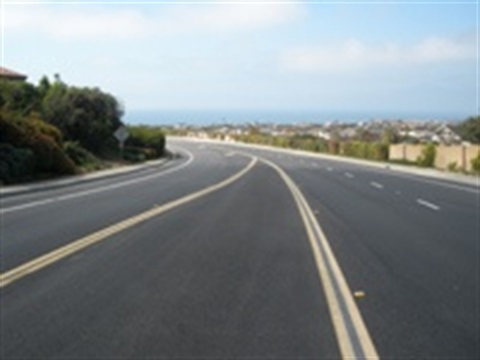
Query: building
{"points": [[7, 74]]}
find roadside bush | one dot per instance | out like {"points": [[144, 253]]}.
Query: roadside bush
{"points": [[427, 159], [50, 157], [15, 163], [41, 139], [150, 139], [365, 150], [134, 154], [78, 154], [452, 166], [476, 164]]}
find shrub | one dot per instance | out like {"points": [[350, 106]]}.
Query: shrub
{"points": [[50, 156], [452, 166], [134, 154], [15, 163], [146, 137], [365, 150], [427, 159], [78, 154], [476, 164], [42, 140]]}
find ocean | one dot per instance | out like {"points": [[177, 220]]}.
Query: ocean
{"points": [[215, 117]]}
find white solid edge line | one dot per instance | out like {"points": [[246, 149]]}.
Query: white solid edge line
{"points": [[53, 256], [99, 189], [320, 246]]}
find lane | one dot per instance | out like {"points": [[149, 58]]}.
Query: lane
{"points": [[419, 268], [409, 245], [31, 232], [225, 276]]}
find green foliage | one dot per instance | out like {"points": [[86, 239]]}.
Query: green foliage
{"points": [[79, 155], [30, 147], [307, 143], [19, 96], [135, 154], [452, 166], [86, 115], [146, 142], [427, 159], [476, 164], [33, 124], [366, 150], [15, 163], [469, 130], [34, 121]]}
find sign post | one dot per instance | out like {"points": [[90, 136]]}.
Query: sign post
{"points": [[121, 134]]}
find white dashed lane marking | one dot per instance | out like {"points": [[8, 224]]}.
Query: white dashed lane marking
{"points": [[376, 185], [428, 204]]}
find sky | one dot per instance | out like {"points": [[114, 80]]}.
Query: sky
{"points": [[406, 56]]}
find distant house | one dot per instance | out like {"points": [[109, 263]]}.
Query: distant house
{"points": [[445, 135], [7, 74]]}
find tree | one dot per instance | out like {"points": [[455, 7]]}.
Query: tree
{"points": [[19, 96], [469, 130], [86, 115]]}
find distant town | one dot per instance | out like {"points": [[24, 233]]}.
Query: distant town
{"points": [[409, 131]]}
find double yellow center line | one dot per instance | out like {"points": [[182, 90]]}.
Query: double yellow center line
{"points": [[51, 257], [352, 335]]}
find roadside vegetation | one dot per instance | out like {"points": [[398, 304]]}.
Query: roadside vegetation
{"points": [[144, 143], [469, 130], [357, 147], [54, 129]]}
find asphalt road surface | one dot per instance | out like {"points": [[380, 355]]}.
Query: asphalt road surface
{"points": [[232, 252]]}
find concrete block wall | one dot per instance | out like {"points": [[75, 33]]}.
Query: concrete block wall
{"points": [[461, 155]]}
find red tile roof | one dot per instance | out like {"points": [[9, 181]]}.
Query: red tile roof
{"points": [[10, 74]]}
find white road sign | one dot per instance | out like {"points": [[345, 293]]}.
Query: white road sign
{"points": [[121, 134]]}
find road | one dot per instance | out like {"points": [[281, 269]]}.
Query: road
{"points": [[265, 255]]}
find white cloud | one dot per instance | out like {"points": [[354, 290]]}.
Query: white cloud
{"points": [[107, 22], [227, 17], [354, 54], [74, 23]]}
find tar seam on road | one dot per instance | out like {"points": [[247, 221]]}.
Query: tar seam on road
{"points": [[352, 334], [99, 189], [51, 257]]}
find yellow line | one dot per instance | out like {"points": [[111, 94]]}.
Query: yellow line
{"points": [[318, 242], [53, 256]]}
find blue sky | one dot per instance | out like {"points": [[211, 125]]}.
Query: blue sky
{"points": [[354, 56]]}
